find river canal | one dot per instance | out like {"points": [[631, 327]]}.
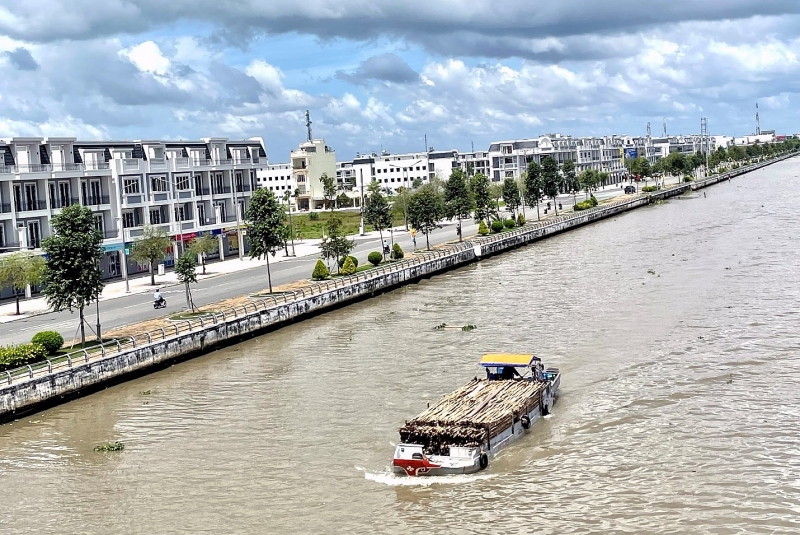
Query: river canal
{"points": [[676, 327]]}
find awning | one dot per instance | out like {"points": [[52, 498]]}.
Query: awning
{"points": [[507, 359]]}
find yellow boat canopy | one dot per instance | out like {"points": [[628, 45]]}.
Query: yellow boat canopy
{"points": [[507, 359]]}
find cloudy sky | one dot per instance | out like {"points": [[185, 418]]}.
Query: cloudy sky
{"points": [[380, 73]]}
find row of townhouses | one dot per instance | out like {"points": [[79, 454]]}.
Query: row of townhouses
{"points": [[186, 188], [503, 159]]}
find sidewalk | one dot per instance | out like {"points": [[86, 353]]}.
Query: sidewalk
{"points": [[140, 283]]}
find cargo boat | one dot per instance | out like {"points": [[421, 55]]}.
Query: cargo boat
{"points": [[464, 430]]}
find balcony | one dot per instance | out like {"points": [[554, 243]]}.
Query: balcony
{"points": [[201, 191], [30, 206], [209, 221], [229, 219], [67, 167], [96, 200], [158, 164], [63, 203], [96, 166], [242, 187], [130, 164], [7, 169], [110, 234], [9, 246], [202, 161], [223, 161], [222, 190], [34, 168], [182, 163]]}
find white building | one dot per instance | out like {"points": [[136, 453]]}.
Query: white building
{"points": [[184, 187]]}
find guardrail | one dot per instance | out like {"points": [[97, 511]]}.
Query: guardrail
{"points": [[272, 301]]}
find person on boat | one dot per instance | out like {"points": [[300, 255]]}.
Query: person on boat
{"points": [[509, 372]]}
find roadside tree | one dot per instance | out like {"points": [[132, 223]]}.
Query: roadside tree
{"points": [[479, 186], [570, 176], [335, 244], [72, 277], [186, 271], [266, 226], [457, 198], [534, 186], [20, 270], [551, 179], [425, 210], [511, 196], [588, 180], [376, 210], [329, 189], [202, 246], [150, 248]]}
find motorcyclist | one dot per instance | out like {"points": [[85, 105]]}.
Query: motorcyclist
{"points": [[157, 297]]}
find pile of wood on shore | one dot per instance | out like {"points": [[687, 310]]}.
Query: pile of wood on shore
{"points": [[472, 414]]}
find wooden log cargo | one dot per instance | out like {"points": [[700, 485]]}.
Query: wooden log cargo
{"points": [[472, 415]]}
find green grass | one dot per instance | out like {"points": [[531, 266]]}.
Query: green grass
{"points": [[310, 229]]}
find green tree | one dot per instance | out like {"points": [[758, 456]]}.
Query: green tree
{"points": [[495, 194], [425, 210], [19, 270], [376, 210], [202, 246], [417, 183], [72, 278], [588, 180], [534, 186], [150, 248], [329, 189], [479, 186], [570, 176], [266, 226], [551, 179], [401, 203], [511, 195], [335, 244], [186, 270], [457, 198]]}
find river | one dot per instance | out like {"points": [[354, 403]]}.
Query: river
{"points": [[675, 327]]}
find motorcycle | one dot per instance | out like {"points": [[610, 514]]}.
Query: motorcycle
{"points": [[161, 303]]}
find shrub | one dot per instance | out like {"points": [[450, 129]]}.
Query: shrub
{"points": [[497, 225], [313, 216], [349, 268], [688, 179], [397, 252], [593, 200], [509, 223], [375, 258], [14, 356], [735, 166], [583, 205], [320, 271], [51, 341], [344, 259], [483, 230], [649, 189], [520, 220]]}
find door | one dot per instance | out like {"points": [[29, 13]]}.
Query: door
{"points": [[201, 213], [63, 193], [18, 206], [34, 238], [31, 198], [53, 198], [95, 192], [113, 263], [198, 184]]}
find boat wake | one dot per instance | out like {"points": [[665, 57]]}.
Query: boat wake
{"points": [[391, 479]]}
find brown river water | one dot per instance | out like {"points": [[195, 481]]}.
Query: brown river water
{"points": [[679, 409]]}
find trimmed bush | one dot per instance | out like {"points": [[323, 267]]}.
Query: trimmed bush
{"points": [[509, 223], [15, 356], [520, 220], [497, 226], [483, 230], [349, 268], [51, 341], [649, 189], [344, 259], [313, 216], [320, 271], [375, 258], [583, 205], [397, 252], [688, 179]]}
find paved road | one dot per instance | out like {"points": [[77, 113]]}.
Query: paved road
{"points": [[138, 307]]}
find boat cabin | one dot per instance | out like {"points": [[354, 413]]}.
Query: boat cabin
{"points": [[506, 366]]}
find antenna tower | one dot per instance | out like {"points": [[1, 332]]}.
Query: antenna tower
{"points": [[758, 122], [665, 127], [308, 124], [648, 129]]}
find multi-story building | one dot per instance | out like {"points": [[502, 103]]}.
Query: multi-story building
{"points": [[394, 171], [309, 162], [183, 187], [278, 179]]}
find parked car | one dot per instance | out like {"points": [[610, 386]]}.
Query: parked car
{"points": [[630, 189]]}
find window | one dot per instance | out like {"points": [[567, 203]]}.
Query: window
{"points": [[179, 213], [158, 183], [182, 182], [130, 186], [155, 217], [127, 220], [98, 223]]}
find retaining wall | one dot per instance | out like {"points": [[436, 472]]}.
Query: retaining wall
{"points": [[47, 385]]}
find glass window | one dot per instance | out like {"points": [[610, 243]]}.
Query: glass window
{"points": [[131, 185], [182, 182], [158, 183]]}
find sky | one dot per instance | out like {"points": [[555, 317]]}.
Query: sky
{"points": [[385, 74]]}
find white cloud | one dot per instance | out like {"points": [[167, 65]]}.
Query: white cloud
{"points": [[147, 57]]}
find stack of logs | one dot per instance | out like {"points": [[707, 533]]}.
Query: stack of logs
{"points": [[471, 415]]}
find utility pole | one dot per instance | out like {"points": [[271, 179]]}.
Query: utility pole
{"points": [[361, 225], [665, 127], [426, 143], [758, 122], [648, 129], [704, 138]]}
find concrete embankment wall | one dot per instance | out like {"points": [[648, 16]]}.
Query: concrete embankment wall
{"points": [[31, 394]]}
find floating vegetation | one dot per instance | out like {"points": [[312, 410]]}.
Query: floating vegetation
{"points": [[469, 327], [651, 271], [110, 446], [144, 393], [445, 327], [440, 327]]}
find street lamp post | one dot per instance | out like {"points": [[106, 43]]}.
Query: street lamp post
{"points": [[291, 225]]}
